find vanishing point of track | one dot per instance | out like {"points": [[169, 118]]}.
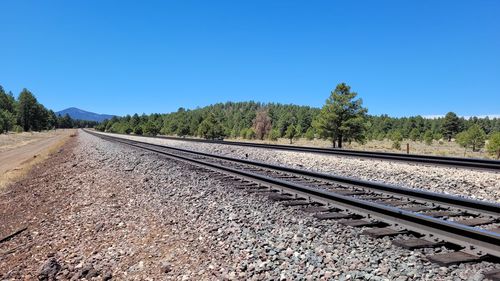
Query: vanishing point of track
{"points": [[425, 219]]}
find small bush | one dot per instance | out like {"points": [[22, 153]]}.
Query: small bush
{"points": [[17, 129], [274, 135], [396, 144], [138, 130], [309, 134], [428, 137]]}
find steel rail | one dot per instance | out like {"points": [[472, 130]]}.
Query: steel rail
{"points": [[484, 207], [416, 158], [474, 240]]}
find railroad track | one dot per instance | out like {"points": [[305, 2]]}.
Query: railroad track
{"points": [[416, 218], [474, 163]]}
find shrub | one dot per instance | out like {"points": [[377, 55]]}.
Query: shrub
{"points": [[138, 130], [396, 144], [274, 135], [17, 129], [474, 138], [428, 137], [309, 134], [493, 146]]}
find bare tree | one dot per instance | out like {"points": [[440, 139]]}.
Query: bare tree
{"points": [[262, 124]]}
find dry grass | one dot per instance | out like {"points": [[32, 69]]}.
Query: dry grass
{"points": [[441, 148], [22, 170], [12, 140]]}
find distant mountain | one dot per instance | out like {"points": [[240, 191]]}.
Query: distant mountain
{"points": [[77, 113]]}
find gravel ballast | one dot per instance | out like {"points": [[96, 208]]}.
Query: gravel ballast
{"points": [[476, 184], [105, 211]]}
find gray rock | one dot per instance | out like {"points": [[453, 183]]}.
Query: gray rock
{"points": [[49, 269]]}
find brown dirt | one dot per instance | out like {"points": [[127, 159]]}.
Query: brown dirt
{"points": [[83, 219], [17, 159]]}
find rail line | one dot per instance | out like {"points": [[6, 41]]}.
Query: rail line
{"points": [[474, 163], [428, 219]]}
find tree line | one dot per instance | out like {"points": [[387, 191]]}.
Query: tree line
{"points": [[342, 119], [26, 114]]}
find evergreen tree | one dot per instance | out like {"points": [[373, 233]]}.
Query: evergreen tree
{"points": [[493, 146], [309, 133], [274, 135], [27, 110], [290, 132], [451, 125], [150, 129], [211, 128], [7, 101], [65, 122], [397, 138], [414, 134], [342, 117], [474, 138], [52, 120], [428, 137]]}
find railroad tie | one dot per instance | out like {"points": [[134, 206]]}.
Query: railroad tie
{"points": [[438, 214], [316, 209], [298, 203], [383, 232], [493, 275], [359, 223], [416, 243], [333, 216], [452, 258], [475, 221]]}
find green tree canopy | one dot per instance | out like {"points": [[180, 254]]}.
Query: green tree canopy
{"points": [[493, 146], [27, 110], [474, 138], [7, 101], [211, 128], [451, 125], [342, 117], [428, 137], [290, 132]]}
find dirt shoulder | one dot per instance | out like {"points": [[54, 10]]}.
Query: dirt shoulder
{"points": [[20, 153]]}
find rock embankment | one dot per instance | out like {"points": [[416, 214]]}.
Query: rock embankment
{"points": [[104, 211]]}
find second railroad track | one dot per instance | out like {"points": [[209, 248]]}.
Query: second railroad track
{"points": [[458, 162]]}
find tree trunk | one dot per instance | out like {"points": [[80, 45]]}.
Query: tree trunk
{"points": [[498, 154], [290, 141], [333, 142], [340, 141]]}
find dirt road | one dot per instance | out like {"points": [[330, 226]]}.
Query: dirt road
{"points": [[13, 161]]}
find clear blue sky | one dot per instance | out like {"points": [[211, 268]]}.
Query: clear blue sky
{"points": [[118, 57]]}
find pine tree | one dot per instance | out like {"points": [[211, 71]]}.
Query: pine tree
{"points": [[290, 132], [210, 128], [493, 146], [27, 109], [428, 137], [450, 126], [309, 134], [414, 134], [342, 117], [474, 138]]}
